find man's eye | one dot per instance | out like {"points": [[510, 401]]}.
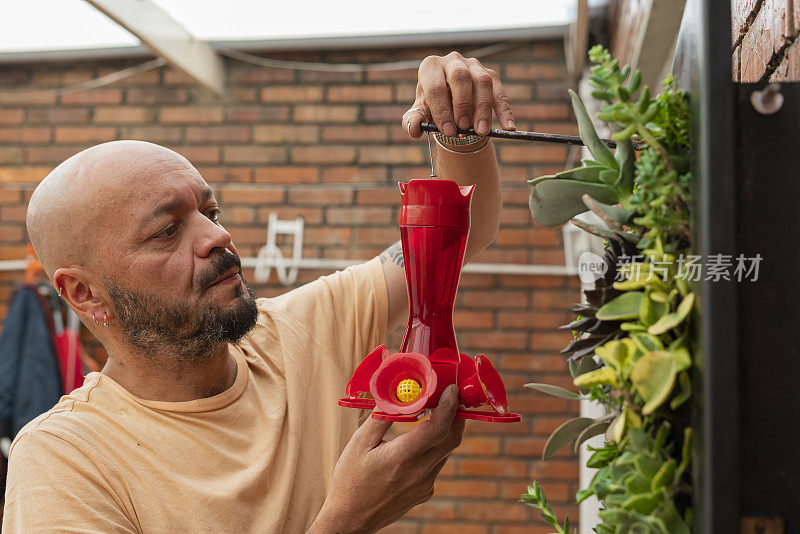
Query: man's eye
{"points": [[168, 231], [213, 214]]}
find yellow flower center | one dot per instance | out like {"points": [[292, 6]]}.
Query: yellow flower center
{"points": [[408, 390]]}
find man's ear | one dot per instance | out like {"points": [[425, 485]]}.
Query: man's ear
{"points": [[79, 289]]}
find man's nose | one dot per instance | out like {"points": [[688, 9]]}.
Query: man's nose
{"points": [[211, 236]]}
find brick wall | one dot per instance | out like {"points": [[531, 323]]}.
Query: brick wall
{"points": [[765, 41], [329, 147]]}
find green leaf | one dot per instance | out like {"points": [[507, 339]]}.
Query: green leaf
{"points": [[685, 392], [565, 433], [626, 161], [665, 475], [555, 391], [625, 306], [683, 357], [643, 504], [653, 376], [583, 494], [647, 465], [613, 353], [628, 419], [599, 427], [637, 484], [646, 342], [671, 320], [600, 377], [686, 453], [555, 201], [615, 213], [600, 152]]}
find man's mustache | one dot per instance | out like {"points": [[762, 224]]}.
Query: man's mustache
{"points": [[220, 264]]}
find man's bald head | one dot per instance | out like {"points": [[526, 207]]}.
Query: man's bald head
{"points": [[69, 209]]}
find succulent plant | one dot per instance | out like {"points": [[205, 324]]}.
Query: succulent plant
{"points": [[631, 349]]}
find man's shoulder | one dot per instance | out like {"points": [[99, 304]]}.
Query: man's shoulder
{"points": [[74, 417]]}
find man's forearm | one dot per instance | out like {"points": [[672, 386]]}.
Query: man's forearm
{"points": [[479, 168]]}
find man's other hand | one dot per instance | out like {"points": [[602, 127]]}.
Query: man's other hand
{"points": [[376, 482], [457, 91]]}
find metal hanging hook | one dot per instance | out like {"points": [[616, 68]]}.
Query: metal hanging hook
{"points": [[430, 156]]}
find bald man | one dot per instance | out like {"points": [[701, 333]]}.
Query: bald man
{"points": [[216, 412]]}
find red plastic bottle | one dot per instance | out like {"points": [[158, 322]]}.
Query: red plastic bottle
{"points": [[434, 226]]}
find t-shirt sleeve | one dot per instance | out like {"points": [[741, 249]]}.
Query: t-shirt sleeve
{"points": [[53, 487], [346, 311]]}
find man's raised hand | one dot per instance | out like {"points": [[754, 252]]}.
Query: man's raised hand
{"points": [[456, 91]]}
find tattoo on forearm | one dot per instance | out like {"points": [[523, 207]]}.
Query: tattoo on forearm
{"points": [[393, 254]]}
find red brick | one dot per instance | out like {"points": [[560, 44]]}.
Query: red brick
{"points": [[226, 174], [254, 154], [324, 154], [450, 528], [494, 340], [156, 95], [320, 196], [327, 236], [377, 236], [360, 133], [535, 71], [380, 197], [123, 115], [528, 320], [552, 299], [479, 446], [400, 527], [325, 113], [494, 299], [11, 234], [310, 76], [554, 341], [555, 469], [150, 77], [190, 115], [9, 196], [217, 134], [54, 116], [285, 133], [459, 487], [10, 154], [9, 252], [12, 214], [494, 511], [472, 319], [492, 468], [496, 255], [356, 216], [387, 113], [355, 174], [530, 362], [23, 174], [391, 155], [94, 97], [433, 509], [85, 134], [153, 134], [251, 74], [198, 154], [359, 93], [309, 215], [292, 93], [287, 174], [250, 195], [541, 111], [257, 114], [24, 134], [533, 153]]}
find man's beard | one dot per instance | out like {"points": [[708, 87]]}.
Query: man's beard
{"points": [[159, 327]]}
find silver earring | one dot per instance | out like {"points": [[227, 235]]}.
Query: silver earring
{"points": [[105, 318], [59, 291], [96, 322]]}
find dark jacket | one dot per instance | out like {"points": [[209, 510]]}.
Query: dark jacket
{"points": [[30, 382]]}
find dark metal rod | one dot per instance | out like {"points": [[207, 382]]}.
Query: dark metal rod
{"points": [[526, 136]]}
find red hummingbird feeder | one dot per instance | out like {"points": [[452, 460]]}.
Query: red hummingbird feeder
{"points": [[434, 226]]}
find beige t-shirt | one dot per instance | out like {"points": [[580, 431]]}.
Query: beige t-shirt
{"points": [[258, 457]]}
